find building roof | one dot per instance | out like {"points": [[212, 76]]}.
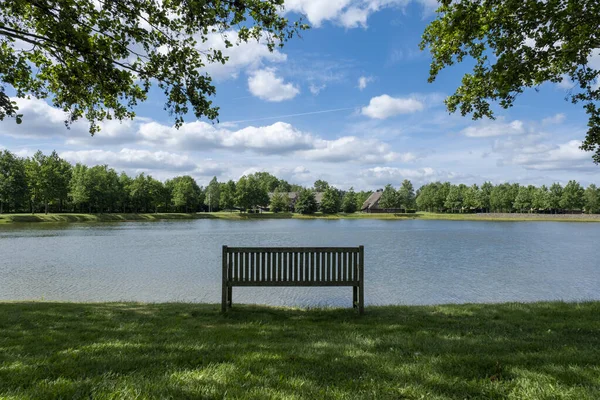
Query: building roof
{"points": [[290, 195], [372, 201]]}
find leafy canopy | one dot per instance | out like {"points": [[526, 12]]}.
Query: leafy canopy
{"points": [[98, 58], [518, 44]]}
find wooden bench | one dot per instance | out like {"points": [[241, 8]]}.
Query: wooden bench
{"points": [[294, 266]]}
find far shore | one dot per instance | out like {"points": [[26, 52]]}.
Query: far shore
{"points": [[123, 217]]}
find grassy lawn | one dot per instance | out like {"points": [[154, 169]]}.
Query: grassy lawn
{"points": [[116, 351]]}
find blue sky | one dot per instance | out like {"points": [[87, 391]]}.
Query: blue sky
{"points": [[349, 102]]}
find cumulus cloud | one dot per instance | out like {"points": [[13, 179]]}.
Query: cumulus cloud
{"points": [[555, 119], [545, 156], [363, 81], [132, 159], [354, 149], [498, 127], [347, 13], [384, 106], [265, 85], [279, 137], [246, 55]]}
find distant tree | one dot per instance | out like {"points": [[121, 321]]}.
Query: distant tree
{"points": [[406, 195], [555, 196], [213, 194], [472, 198], [267, 181], [294, 188], [427, 196], [361, 197], [79, 188], [454, 199], [501, 199], [284, 186], [572, 196], [486, 191], [349, 201], [250, 194], [524, 199], [306, 203], [227, 199], [185, 193], [279, 202], [389, 198], [48, 178], [13, 181], [541, 200], [320, 186], [441, 194], [331, 201], [124, 198], [592, 199], [140, 192]]}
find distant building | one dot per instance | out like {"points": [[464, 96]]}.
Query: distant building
{"points": [[372, 203]]}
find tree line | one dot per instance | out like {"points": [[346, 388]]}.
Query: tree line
{"points": [[49, 183]]}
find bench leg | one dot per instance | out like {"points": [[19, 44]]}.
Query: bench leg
{"points": [[361, 299], [354, 297], [229, 296], [224, 298]]}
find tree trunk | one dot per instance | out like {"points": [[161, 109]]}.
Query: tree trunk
{"points": [[1, 207], [46, 207]]}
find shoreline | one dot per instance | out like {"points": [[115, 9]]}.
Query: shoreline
{"points": [[18, 219]]}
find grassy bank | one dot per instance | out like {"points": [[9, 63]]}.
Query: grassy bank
{"points": [[504, 351], [26, 218]]}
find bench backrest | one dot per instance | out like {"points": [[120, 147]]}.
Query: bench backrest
{"points": [[318, 266]]}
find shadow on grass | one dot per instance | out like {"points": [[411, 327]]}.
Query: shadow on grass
{"points": [[62, 350]]}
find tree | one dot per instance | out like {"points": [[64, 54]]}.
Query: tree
{"points": [[524, 199], [349, 202], [227, 199], [389, 198], [454, 200], [330, 203], [249, 194], [320, 185], [79, 188], [555, 196], [279, 202], [572, 196], [592, 199], [406, 195], [13, 181], [99, 59], [361, 197], [306, 203], [213, 195], [518, 45], [185, 193], [541, 200], [267, 181], [472, 198], [486, 191]]}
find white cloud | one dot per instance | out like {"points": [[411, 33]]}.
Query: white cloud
{"points": [[563, 156], [555, 119], [246, 55], [265, 85], [347, 13], [354, 149], [316, 89], [363, 81], [498, 127], [382, 107], [132, 159], [279, 137]]}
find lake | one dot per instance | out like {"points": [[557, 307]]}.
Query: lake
{"points": [[406, 262]]}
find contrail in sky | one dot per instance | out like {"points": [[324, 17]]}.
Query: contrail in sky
{"points": [[290, 115]]}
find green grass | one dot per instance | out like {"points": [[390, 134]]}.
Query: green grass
{"points": [[26, 218], [178, 351]]}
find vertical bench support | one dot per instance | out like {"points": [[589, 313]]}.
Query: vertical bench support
{"points": [[225, 277], [361, 279]]}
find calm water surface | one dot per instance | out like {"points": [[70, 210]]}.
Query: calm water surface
{"points": [[407, 262]]}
